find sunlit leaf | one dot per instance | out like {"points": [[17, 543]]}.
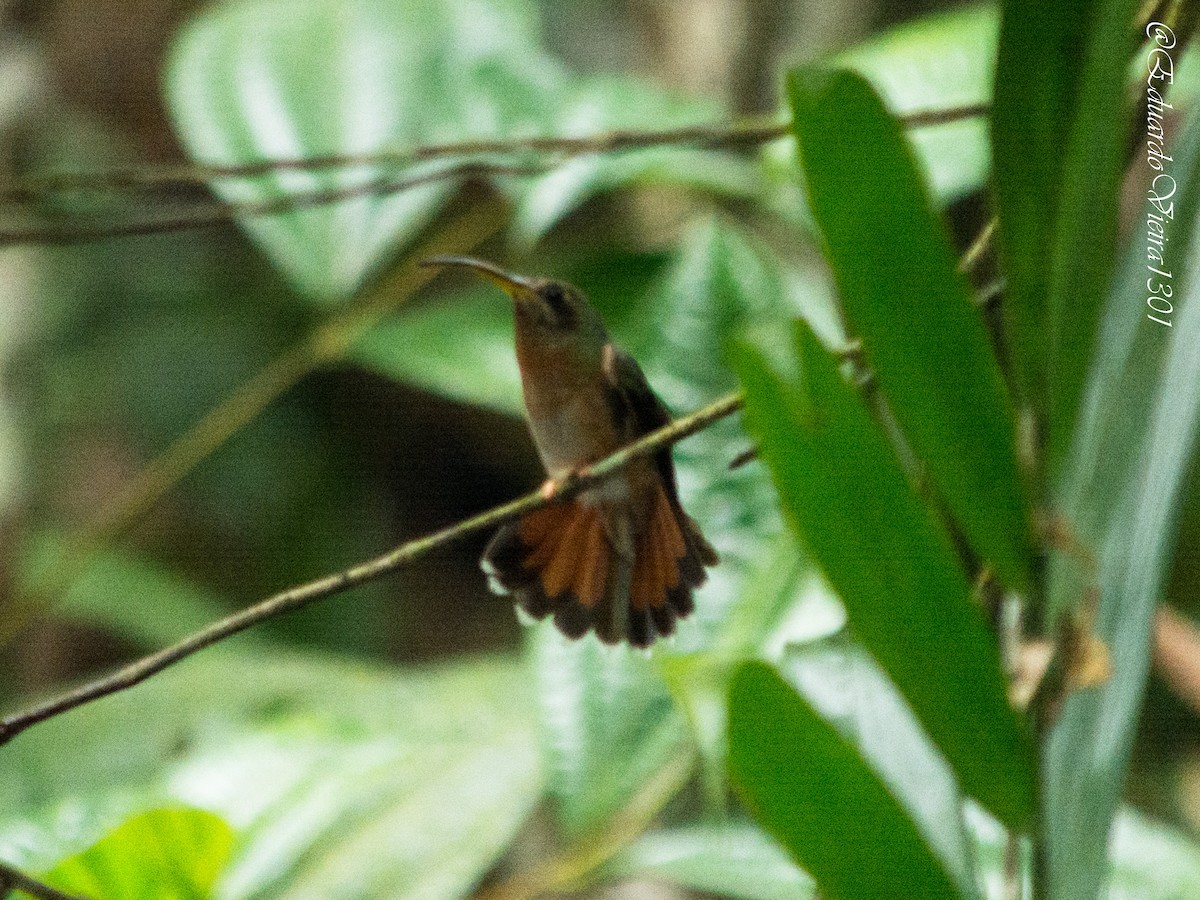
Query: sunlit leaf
{"points": [[340, 780], [164, 854], [599, 705], [296, 79], [735, 860], [1121, 492]]}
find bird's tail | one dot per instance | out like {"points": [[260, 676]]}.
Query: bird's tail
{"points": [[565, 560]]}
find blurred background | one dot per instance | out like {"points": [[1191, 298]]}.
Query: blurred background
{"points": [[112, 350]]}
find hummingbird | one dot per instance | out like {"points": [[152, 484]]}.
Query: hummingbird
{"points": [[621, 558]]}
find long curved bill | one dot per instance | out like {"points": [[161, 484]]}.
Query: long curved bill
{"points": [[516, 286]]}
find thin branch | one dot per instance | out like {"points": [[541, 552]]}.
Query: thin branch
{"points": [[82, 230], [306, 594], [711, 137], [226, 213], [15, 880], [153, 178], [979, 247]]}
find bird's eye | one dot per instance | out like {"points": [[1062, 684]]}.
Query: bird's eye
{"points": [[553, 295], [560, 306]]}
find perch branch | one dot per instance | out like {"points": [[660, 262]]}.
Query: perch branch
{"points": [[15, 880], [299, 597]]}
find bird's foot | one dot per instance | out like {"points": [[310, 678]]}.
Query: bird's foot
{"points": [[552, 486]]}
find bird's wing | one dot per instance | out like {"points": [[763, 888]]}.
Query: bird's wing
{"points": [[636, 403]]}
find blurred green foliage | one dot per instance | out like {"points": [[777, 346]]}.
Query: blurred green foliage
{"points": [[836, 695]]}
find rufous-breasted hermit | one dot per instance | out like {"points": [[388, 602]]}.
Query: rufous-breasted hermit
{"points": [[621, 558]]}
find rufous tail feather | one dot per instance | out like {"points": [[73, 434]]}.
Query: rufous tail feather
{"points": [[561, 561]]}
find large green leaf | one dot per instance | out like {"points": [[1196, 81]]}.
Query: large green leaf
{"points": [[893, 566], [461, 345], [938, 62], [847, 688], [1058, 139], [163, 854], [608, 725], [921, 334], [812, 791], [292, 79], [1120, 491], [340, 780]]}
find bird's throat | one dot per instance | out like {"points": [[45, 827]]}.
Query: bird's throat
{"points": [[565, 398]]}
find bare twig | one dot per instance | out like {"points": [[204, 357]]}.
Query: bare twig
{"points": [[79, 230], [713, 137], [707, 136], [299, 597], [223, 214], [14, 880]]}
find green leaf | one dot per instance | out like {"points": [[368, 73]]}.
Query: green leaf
{"points": [[735, 860], [1121, 493], [163, 854], [599, 705], [894, 568], [1059, 141], [809, 788], [848, 689], [603, 103], [341, 780], [460, 347], [921, 334], [937, 62], [293, 79]]}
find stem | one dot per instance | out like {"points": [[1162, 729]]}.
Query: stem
{"points": [[707, 136], [14, 880], [33, 191]]}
